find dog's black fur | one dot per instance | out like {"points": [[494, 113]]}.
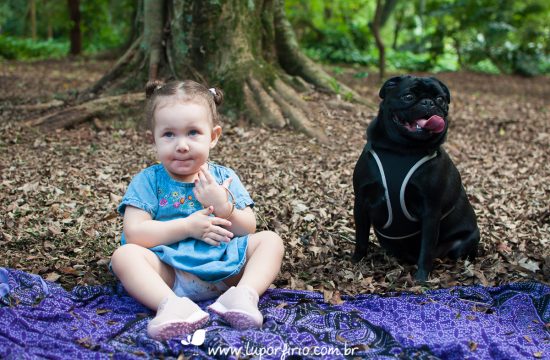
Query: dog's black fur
{"points": [[433, 190]]}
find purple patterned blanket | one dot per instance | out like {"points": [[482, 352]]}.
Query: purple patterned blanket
{"points": [[39, 319]]}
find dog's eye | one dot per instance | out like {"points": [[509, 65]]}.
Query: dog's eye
{"points": [[440, 100], [408, 97]]}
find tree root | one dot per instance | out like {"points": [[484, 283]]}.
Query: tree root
{"points": [[275, 106], [279, 105], [120, 67], [40, 106], [75, 115], [295, 110], [270, 113]]}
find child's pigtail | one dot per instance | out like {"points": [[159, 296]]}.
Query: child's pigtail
{"points": [[152, 86], [217, 94]]}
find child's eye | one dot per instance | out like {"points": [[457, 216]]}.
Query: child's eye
{"points": [[168, 134], [193, 132]]}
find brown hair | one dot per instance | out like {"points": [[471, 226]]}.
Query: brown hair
{"points": [[187, 90]]}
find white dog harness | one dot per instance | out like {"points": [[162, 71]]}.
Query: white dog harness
{"points": [[401, 224]]}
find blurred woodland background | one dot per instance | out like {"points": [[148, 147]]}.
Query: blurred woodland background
{"points": [[494, 36]]}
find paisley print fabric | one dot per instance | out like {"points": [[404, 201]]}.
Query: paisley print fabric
{"points": [[39, 319]]}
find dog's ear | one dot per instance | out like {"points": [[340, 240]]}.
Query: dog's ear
{"points": [[445, 88], [389, 84]]}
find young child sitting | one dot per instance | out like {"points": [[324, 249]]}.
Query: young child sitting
{"points": [[189, 229]]}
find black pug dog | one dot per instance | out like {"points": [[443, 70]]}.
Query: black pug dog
{"points": [[405, 184]]}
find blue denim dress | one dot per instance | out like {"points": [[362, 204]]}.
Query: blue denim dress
{"points": [[156, 192]]}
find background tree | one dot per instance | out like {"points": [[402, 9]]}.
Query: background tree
{"points": [[32, 17], [381, 15], [429, 35], [105, 26], [75, 35], [248, 48]]}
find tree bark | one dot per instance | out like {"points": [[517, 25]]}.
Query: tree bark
{"points": [[153, 34], [458, 47], [397, 29], [75, 34], [32, 15], [375, 28]]}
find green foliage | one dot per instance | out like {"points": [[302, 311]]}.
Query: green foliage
{"points": [[512, 35], [408, 60], [485, 66], [105, 24], [332, 31], [24, 49], [51, 18], [495, 36], [5, 13]]}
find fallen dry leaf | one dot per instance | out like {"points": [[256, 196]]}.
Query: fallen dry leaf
{"points": [[52, 276]]}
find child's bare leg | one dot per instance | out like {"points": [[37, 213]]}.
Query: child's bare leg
{"points": [[265, 254], [239, 305], [143, 275], [150, 282]]}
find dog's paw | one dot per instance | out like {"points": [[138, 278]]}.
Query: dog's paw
{"points": [[472, 254], [421, 276], [358, 256]]}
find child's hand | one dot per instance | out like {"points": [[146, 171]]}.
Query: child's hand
{"points": [[208, 228], [209, 193]]}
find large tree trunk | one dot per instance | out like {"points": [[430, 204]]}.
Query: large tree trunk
{"points": [[245, 47]]}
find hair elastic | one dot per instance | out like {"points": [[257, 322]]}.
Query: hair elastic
{"points": [[213, 91]]}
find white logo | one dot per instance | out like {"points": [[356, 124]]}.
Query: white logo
{"points": [[196, 339]]}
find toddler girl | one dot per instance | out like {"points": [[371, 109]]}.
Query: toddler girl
{"points": [[189, 229]]}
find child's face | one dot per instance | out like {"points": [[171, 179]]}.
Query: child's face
{"points": [[183, 138]]}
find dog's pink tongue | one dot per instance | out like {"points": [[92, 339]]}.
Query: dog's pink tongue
{"points": [[435, 124]]}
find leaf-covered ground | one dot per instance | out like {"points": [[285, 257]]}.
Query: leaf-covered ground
{"points": [[59, 190]]}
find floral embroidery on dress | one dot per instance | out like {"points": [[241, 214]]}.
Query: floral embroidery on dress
{"points": [[175, 194], [182, 200], [177, 204], [163, 202]]}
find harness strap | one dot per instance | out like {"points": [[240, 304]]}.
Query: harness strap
{"points": [[403, 186], [414, 233], [388, 203], [405, 182]]}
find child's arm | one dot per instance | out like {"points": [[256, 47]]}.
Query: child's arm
{"points": [[141, 229], [210, 193], [243, 222]]}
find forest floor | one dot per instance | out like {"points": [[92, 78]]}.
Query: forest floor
{"points": [[59, 190]]}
